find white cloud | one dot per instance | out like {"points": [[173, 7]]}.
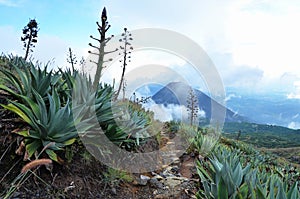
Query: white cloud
{"points": [[296, 93], [294, 125], [230, 96], [295, 116], [11, 3], [10, 40], [265, 36], [170, 112], [260, 37]]}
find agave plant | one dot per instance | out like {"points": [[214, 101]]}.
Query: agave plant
{"points": [[29, 78], [50, 126], [225, 177], [270, 186], [121, 123], [127, 127], [202, 143]]}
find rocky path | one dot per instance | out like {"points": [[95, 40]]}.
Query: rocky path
{"points": [[176, 180]]}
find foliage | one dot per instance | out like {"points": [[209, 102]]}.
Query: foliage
{"points": [[129, 127], [123, 123], [262, 135], [51, 126], [28, 78], [225, 176], [114, 177], [173, 126], [201, 141]]}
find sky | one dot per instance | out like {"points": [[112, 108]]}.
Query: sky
{"points": [[254, 44]]}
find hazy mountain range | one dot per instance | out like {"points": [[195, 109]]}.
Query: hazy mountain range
{"points": [[177, 93], [274, 109]]}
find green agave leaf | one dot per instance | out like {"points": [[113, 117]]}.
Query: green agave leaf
{"points": [[12, 79], [26, 82], [43, 117], [52, 155], [65, 137], [222, 190], [24, 133], [44, 83], [10, 91], [34, 107], [293, 192], [216, 164], [62, 121], [251, 190], [85, 125], [29, 134], [18, 111], [246, 169], [271, 187], [237, 175], [279, 172], [32, 147], [281, 193], [243, 191], [201, 195], [33, 134], [260, 193], [69, 142]]}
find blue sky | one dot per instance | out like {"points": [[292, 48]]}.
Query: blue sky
{"points": [[254, 44]]}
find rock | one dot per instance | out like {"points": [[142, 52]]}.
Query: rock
{"points": [[158, 177], [114, 191], [187, 167], [172, 182], [167, 172], [175, 169], [155, 183], [295, 159], [142, 180], [162, 196]]}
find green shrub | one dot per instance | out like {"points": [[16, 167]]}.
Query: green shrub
{"points": [[50, 126], [225, 177], [199, 142]]}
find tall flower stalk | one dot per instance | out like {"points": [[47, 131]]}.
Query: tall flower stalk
{"points": [[126, 50], [102, 29]]}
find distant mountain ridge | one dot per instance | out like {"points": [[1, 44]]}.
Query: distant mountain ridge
{"points": [[177, 93]]}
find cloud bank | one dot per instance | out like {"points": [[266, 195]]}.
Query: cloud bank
{"points": [[170, 112]]}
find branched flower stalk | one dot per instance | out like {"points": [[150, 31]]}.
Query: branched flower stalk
{"points": [[72, 59], [82, 64], [102, 29], [192, 106], [29, 36], [126, 50]]}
